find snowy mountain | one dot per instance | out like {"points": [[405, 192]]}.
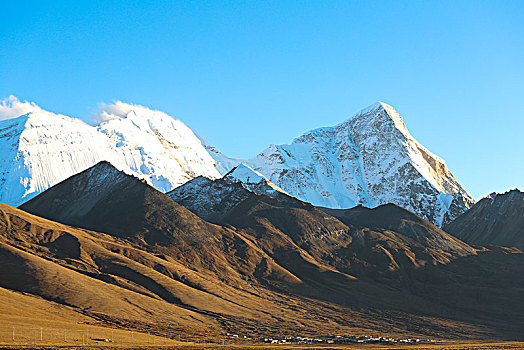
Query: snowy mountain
{"points": [[369, 159], [213, 199], [40, 149], [252, 180]]}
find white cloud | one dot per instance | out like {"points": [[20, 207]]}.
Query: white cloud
{"points": [[12, 107], [120, 109]]}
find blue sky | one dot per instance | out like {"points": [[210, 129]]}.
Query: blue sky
{"points": [[245, 74]]}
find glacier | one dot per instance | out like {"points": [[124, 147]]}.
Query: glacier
{"points": [[40, 149]]}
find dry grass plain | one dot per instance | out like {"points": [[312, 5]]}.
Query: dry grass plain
{"points": [[30, 315], [186, 346], [29, 322]]}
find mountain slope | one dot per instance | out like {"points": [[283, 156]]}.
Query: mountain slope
{"points": [[168, 253], [276, 265], [358, 241], [115, 280], [330, 239], [496, 219], [104, 199], [41, 149], [369, 159], [66, 265], [387, 247], [407, 239], [213, 199]]}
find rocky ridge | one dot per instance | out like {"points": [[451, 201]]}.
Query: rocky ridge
{"points": [[496, 219], [213, 199]]}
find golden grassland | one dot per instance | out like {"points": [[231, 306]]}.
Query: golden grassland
{"points": [[186, 346], [30, 315]]}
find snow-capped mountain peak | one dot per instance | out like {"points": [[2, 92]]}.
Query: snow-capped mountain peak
{"points": [[213, 199], [252, 180], [390, 112], [370, 159], [245, 174], [42, 148]]}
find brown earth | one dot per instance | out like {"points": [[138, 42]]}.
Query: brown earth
{"points": [[271, 267], [437, 346]]}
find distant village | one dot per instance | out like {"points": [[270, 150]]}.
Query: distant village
{"points": [[333, 339]]}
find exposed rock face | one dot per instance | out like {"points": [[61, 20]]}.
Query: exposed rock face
{"points": [[497, 219], [211, 200], [370, 159]]}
